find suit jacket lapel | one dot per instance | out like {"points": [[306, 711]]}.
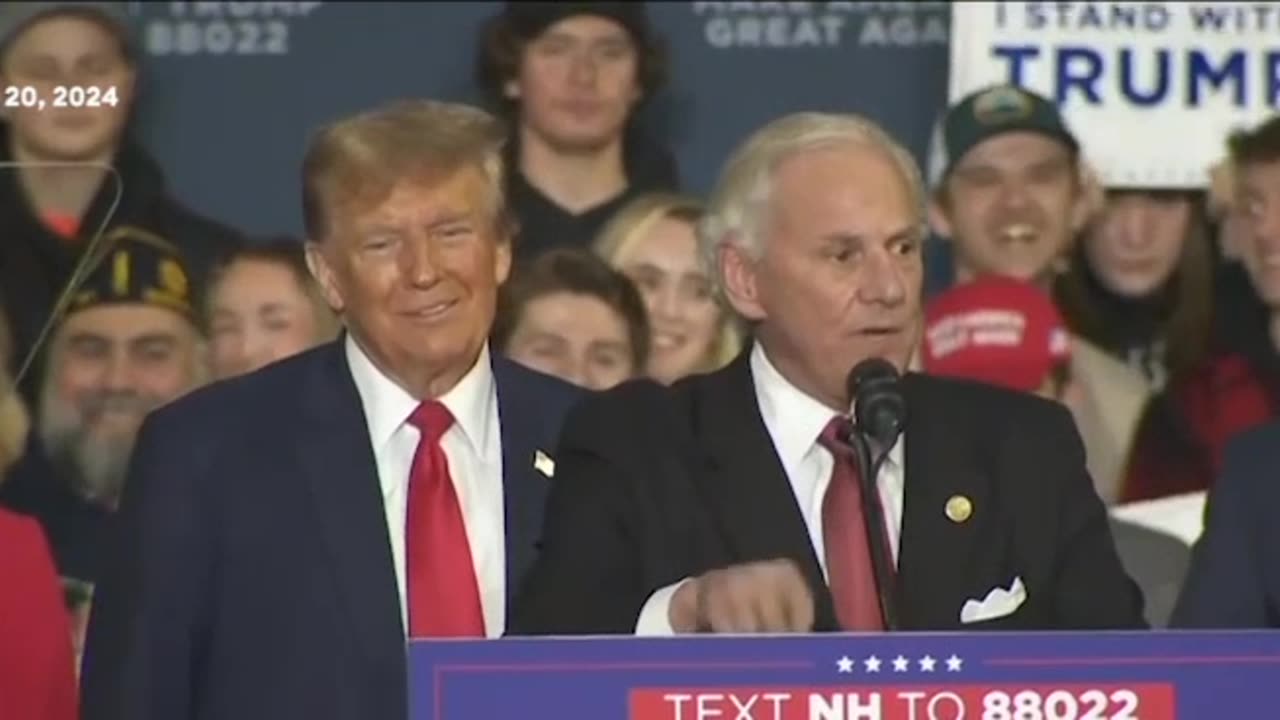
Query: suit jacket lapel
{"points": [[341, 474], [937, 553], [524, 489], [745, 485]]}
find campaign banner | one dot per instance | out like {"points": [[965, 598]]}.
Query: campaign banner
{"points": [[1151, 88], [1159, 675]]}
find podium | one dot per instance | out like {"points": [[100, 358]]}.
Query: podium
{"points": [[1159, 675]]}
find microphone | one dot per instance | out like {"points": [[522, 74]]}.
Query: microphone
{"points": [[879, 408], [879, 412]]}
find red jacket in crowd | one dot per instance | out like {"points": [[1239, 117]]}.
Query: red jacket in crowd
{"points": [[1180, 439], [37, 660]]}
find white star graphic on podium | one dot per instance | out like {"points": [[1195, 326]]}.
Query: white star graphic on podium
{"points": [[926, 663], [844, 665], [900, 664], [872, 663], [954, 663]]}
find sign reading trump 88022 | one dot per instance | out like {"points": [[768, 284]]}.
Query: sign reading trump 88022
{"points": [[993, 676]]}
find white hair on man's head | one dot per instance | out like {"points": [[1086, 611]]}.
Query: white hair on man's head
{"points": [[738, 207]]}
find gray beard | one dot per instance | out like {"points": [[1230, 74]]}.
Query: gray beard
{"points": [[92, 467]]}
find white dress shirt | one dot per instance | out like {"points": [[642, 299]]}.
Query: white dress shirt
{"points": [[473, 447], [794, 421]]}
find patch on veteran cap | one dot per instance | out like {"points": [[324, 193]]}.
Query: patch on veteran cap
{"points": [[138, 266], [1001, 105]]}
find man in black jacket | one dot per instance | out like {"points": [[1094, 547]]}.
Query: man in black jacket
{"points": [[49, 214], [570, 78], [729, 502]]}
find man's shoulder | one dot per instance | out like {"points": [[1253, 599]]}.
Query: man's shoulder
{"points": [[546, 393], [1250, 459], [247, 400], [965, 401]]}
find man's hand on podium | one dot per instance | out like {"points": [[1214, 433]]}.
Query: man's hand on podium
{"points": [[760, 597]]}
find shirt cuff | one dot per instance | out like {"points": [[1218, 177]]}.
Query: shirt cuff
{"points": [[655, 616]]}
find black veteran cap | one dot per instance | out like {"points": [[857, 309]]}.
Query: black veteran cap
{"points": [[137, 267], [987, 113]]}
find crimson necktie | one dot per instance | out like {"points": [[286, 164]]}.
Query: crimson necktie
{"points": [[850, 572], [443, 596]]}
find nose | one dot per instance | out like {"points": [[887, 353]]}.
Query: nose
{"points": [[257, 350], [118, 373], [1014, 194], [1128, 226], [665, 302], [883, 280], [582, 70], [419, 262]]}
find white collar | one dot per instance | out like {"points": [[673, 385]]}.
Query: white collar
{"points": [[387, 405], [795, 419]]}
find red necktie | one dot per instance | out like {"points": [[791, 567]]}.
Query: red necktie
{"points": [[851, 575], [444, 600]]}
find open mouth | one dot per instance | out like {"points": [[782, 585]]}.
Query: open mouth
{"points": [[665, 341], [1018, 233]]}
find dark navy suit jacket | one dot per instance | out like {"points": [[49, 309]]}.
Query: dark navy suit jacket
{"points": [[250, 574], [1234, 579]]}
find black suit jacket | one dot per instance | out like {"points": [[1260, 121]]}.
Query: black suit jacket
{"points": [[251, 575], [654, 485]]}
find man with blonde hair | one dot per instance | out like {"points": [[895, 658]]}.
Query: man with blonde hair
{"points": [[283, 533], [731, 502]]}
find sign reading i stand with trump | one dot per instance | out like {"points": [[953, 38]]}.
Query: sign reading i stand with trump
{"points": [[946, 676], [1152, 89]]}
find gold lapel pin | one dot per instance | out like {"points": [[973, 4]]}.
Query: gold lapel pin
{"points": [[959, 508]]}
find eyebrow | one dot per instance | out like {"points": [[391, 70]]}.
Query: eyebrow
{"points": [[153, 338], [450, 218]]}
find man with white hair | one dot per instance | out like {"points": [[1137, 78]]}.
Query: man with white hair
{"points": [[729, 502]]}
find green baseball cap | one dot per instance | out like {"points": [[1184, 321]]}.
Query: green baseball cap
{"points": [[989, 112]]}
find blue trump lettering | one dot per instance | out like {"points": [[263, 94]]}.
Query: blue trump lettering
{"points": [[1148, 77]]}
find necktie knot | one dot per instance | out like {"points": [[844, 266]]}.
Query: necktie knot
{"points": [[432, 419], [835, 436]]}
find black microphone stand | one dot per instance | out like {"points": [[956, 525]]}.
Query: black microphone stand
{"points": [[873, 513]]}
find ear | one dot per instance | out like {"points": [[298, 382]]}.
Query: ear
{"points": [[323, 272], [939, 220], [740, 282], [511, 89], [502, 257]]}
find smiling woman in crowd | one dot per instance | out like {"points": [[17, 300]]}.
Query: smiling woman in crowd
{"points": [[653, 240], [264, 306]]}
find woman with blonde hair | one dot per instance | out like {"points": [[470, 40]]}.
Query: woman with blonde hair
{"points": [[653, 241]]}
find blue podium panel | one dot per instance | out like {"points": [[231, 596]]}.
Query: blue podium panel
{"points": [[993, 676]]}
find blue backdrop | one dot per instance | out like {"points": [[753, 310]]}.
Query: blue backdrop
{"points": [[231, 90]]}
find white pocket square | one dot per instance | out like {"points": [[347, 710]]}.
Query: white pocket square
{"points": [[544, 464], [997, 604]]}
